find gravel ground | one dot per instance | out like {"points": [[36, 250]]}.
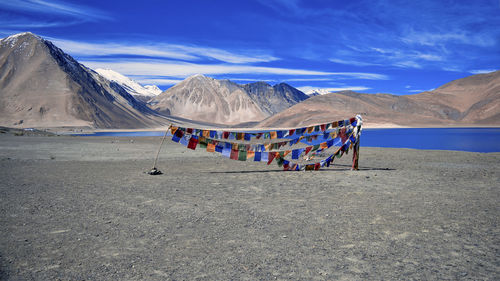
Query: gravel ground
{"points": [[83, 208]]}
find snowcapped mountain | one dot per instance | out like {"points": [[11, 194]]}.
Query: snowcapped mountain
{"points": [[140, 92], [317, 92]]}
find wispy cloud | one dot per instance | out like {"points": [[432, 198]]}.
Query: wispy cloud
{"points": [[162, 50], [482, 71], [55, 7], [352, 62], [306, 89], [184, 69]]}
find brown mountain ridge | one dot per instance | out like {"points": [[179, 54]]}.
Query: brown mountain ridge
{"points": [[470, 101]]}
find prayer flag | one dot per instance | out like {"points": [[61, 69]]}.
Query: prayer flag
{"points": [[309, 167], [273, 134], [225, 135], [257, 156], [271, 156], [178, 135], [317, 128], [323, 145], [240, 136], [341, 123], [335, 124], [286, 165], [308, 149], [310, 129], [226, 152], [291, 132], [210, 147], [218, 148], [264, 156], [189, 131], [184, 140], [248, 136], [213, 134], [193, 142], [279, 161], [242, 155], [317, 166], [250, 154], [173, 129], [296, 153], [234, 154], [279, 134], [323, 127]]}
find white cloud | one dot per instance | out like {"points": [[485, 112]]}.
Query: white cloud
{"points": [[441, 38], [183, 69], [155, 81], [160, 50], [481, 71], [352, 62], [81, 12], [307, 89]]}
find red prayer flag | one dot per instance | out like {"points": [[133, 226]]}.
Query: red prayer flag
{"points": [[308, 149], [271, 157], [317, 166], [193, 142], [323, 127], [234, 154]]}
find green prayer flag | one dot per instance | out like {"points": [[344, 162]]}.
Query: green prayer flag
{"points": [[242, 155]]}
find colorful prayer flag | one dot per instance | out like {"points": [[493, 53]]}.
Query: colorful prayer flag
{"points": [[193, 142]]}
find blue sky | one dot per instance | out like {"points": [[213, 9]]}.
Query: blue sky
{"points": [[397, 47]]}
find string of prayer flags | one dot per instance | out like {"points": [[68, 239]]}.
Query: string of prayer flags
{"points": [[239, 145]]}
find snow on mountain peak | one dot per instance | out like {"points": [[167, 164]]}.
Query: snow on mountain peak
{"points": [[317, 92], [131, 86]]}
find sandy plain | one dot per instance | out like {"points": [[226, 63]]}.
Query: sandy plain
{"points": [[83, 208]]}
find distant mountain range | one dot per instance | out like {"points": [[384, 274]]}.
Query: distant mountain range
{"points": [[471, 101], [41, 86], [203, 98]]}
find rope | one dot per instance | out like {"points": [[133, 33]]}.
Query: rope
{"points": [[159, 148]]}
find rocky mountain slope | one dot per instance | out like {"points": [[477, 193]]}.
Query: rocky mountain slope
{"points": [[206, 99], [142, 93], [274, 99], [41, 86], [471, 101], [224, 102]]}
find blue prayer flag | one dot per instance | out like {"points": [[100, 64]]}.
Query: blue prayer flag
{"points": [[219, 148], [226, 152], [264, 157], [247, 136], [257, 156]]}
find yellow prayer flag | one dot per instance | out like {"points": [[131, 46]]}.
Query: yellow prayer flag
{"points": [[310, 129], [273, 135], [210, 147], [250, 154]]}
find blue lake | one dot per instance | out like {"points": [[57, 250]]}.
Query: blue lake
{"points": [[464, 139]]}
